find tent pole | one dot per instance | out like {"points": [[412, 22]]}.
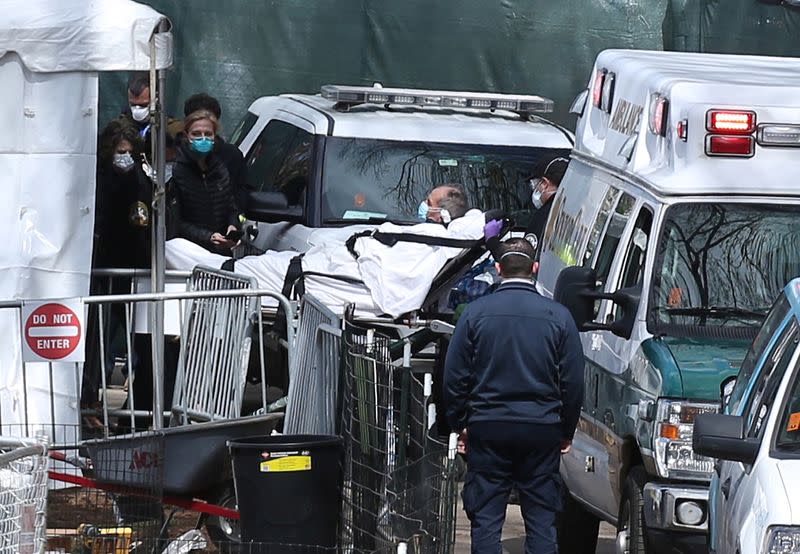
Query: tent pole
{"points": [[158, 229]]}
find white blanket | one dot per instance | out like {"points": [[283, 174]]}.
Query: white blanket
{"points": [[396, 279]]}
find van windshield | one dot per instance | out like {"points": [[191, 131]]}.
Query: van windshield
{"points": [[365, 179], [722, 265]]}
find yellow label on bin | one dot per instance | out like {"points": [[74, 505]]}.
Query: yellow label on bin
{"points": [[287, 463]]}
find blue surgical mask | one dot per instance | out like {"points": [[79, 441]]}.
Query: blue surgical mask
{"points": [[202, 145], [422, 211]]}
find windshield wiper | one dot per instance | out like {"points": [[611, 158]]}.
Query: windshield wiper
{"points": [[716, 311]]}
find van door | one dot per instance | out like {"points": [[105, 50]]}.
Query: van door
{"points": [[604, 357], [586, 467], [280, 160], [735, 481]]}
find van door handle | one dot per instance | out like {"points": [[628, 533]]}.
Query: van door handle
{"points": [[726, 487]]}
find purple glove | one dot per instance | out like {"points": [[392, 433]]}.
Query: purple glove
{"points": [[492, 228]]}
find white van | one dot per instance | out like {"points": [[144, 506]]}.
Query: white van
{"points": [[675, 227]]}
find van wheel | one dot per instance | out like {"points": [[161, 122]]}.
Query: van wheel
{"points": [[577, 528], [631, 537]]}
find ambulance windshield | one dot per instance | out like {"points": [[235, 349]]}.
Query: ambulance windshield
{"points": [[723, 264]]}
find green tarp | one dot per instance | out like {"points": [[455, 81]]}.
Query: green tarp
{"points": [[238, 50]]}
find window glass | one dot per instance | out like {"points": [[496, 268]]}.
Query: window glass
{"points": [[775, 318], [788, 440], [723, 264], [281, 151], [243, 128], [614, 230], [600, 223], [371, 178], [633, 266], [766, 386]]}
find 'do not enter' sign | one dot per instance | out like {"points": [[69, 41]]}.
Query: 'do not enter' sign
{"points": [[53, 331]]}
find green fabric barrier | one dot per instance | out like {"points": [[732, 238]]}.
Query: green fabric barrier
{"points": [[238, 50]]}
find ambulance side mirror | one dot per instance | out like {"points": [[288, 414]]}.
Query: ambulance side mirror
{"points": [[576, 288], [271, 207]]}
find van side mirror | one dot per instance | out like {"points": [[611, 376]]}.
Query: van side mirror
{"points": [[576, 288], [271, 207], [722, 436]]}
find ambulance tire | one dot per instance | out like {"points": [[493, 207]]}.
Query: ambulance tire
{"points": [[630, 524], [577, 528]]}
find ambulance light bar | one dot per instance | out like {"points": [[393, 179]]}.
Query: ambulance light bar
{"points": [[778, 135], [352, 96], [730, 122], [658, 114], [603, 90]]}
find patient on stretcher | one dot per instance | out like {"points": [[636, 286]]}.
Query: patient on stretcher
{"points": [[380, 273]]}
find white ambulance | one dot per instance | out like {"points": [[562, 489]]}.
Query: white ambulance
{"points": [[676, 226]]}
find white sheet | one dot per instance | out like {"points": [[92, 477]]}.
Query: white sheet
{"points": [[396, 279]]}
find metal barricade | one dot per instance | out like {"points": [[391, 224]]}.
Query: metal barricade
{"points": [[399, 475], [23, 495], [313, 399], [215, 349]]}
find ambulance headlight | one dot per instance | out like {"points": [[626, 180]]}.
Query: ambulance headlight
{"points": [[672, 440], [782, 540]]}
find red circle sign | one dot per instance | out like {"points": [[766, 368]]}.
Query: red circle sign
{"points": [[53, 331]]}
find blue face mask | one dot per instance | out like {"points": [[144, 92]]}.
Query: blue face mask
{"points": [[422, 211], [202, 145]]}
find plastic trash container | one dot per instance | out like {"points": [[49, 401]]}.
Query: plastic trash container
{"points": [[288, 488]]}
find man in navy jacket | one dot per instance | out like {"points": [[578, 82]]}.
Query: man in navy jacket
{"points": [[514, 383]]}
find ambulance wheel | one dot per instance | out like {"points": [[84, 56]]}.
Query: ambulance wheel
{"points": [[224, 531], [631, 537], [577, 528]]}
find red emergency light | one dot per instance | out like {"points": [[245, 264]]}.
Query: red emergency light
{"points": [[727, 145], [731, 122], [597, 88]]}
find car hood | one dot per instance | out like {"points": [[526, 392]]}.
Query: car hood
{"points": [[790, 476], [703, 364]]}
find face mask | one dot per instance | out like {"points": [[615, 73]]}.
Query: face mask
{"points": [[140, 113], [123, 162], [202, 145], [168, 171], [536, 198], [422, 211]]}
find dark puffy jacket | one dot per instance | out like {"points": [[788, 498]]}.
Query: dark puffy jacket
{"points": [[205, 199], [515, 356]]}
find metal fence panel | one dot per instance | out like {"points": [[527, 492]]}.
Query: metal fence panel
{"points": [[23, 495]]}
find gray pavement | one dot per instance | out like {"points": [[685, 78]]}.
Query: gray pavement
{"points": [[514, 534]]}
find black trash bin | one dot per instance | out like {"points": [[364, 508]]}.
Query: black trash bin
{"points": [[288, 488]]}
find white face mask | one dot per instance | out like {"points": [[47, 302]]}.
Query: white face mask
{"points": [[536, 198], [123, 162], [140, 113]]}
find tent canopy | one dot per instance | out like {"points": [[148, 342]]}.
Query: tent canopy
{"points": [[83, 35]]}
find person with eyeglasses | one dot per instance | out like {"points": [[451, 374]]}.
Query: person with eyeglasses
{"points": [[544, 184]]}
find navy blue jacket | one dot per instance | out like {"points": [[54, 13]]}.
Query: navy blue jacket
{"points": [[515, 356]]}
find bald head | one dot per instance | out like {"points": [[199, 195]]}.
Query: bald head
{"points": [[449, 197]]}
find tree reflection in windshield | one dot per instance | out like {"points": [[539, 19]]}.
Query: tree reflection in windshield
{"points": [[724, 264], [392, 177]]}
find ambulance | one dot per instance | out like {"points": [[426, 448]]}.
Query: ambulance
{"points": [[676, 226]]}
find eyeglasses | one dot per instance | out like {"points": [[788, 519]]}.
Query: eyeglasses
{"points": [[536, 183]]}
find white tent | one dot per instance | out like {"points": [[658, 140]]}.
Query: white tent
{"points": [[50, 54]]}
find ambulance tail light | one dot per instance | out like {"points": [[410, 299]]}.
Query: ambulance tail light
{"points": [[726, 145], [597, 88], [659, 106], [729, 122]]}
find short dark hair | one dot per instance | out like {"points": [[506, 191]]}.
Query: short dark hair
{"points": [[552, 169], [138, 81], [202, 101], [454, 201], [114, 133], [516, 257]]}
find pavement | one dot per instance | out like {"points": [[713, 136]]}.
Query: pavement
{"points": [[514, 534]]}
